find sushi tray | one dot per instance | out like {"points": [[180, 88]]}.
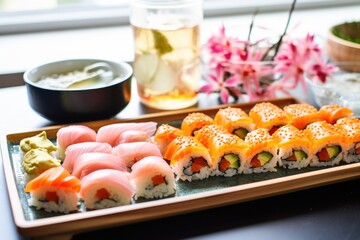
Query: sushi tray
{"points": [[189, 196]]}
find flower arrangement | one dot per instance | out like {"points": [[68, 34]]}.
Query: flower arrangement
{"points": [[258, 70]]}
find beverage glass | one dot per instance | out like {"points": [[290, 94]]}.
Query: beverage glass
{"points": [[167, 65]]}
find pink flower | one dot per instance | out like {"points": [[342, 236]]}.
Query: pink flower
{"points": [[218, 83]]}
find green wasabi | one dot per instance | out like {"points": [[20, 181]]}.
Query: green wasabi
{"points": [[37, 141], [38, 160]]}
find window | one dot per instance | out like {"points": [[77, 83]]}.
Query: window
{"points": [[39, 15]]}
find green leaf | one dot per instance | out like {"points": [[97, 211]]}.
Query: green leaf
{"points": [[161, 43]]}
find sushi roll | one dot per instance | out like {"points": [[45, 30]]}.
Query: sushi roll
{"points": [[327, 144], [134, 136], [152, 178], [293, 147], [90, 162], [302, 114], [74, 151], [205, 134], [55, 190], [133, 152], [269, 116], [189, 159], [106, 188], [261, 155], [228, 154], [72, 134], [350, 128], [332, 113], [164, 134], [195, 121], [235, 121], [111, 133]]}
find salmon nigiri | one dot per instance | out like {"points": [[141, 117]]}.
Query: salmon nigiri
{"points": [[111, 133], [55, 190], [90, 162], [74, 151]]}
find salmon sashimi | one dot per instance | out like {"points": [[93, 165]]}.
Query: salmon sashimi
{"points": [[189, 159], [55, 190], [302, 114], [153, 178], [350, 128], [164, 134], [106, 188], [195, 121], [228, 153], [135, 151], [205, 134], [327, 144], [111, 133], [235, 121], [332, 113], [294, 147], [90, 162], [269, 116], [134, 136], [261, 155], [74, 151]]}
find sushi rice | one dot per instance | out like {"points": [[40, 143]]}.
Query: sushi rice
{"points": [[145, 188], [285, 153], [67, 200]]}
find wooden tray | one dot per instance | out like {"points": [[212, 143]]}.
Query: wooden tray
{"points": [[190, 196]]}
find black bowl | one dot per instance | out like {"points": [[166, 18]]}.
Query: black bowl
{"points": [[78, 105]]}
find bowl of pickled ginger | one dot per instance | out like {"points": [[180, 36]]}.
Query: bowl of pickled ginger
{"points": [[78, 90]]}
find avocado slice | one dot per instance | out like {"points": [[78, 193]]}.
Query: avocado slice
{"points": [[233, 159], [333, 151], [241, 133], [264, 157], [300, 155]]}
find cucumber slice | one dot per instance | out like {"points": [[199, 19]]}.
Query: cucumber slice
{"points": [[233, 159], [300, 155], [333, 151], [264, 157], [241, 133]]}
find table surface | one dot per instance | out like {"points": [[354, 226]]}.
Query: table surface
{"points": [[328, 212]]}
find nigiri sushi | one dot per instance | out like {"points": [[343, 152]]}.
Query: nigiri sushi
{"points": [[135, 151], [235, 121], [302, 114], [189, 159], [111, 133], [327, 144], [72, 134], [294, 147], [74, 151], [106, 188], [332, 113], [153, 178], [134, 136], [261, 155], [269, 116], [164, 134], [195, 121], [90, 162], [55, 190], [350, 129]]}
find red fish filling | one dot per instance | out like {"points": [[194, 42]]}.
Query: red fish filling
{"points": [[196, 165], [357, 148], [328, 153], [52, 197], [158, 179], [102, 193], [229, 161]]}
